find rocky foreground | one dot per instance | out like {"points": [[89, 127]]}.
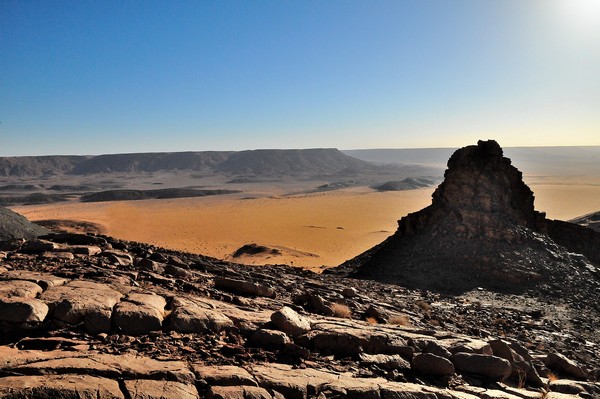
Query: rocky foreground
{"points": [[85, 316]]}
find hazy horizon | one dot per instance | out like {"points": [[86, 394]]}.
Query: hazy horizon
{"points": [[114, 77]]}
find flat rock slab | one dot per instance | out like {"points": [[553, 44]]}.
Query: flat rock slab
{"points": [[239, 392], [139, 313], [43, 279], [82, 302], [190, 317], [113, 366], [224, 375], [19, 288], [59, 386], [148, 389]]}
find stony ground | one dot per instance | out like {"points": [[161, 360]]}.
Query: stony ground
{"points": [[93, 317]]}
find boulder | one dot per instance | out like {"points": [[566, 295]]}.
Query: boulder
{"points": [[269, 339], [430, 364], [490, 367], [386, 362], [287, 320], [17, 311], [189, 317], [561, 363], [139, 313], [82, 302]]}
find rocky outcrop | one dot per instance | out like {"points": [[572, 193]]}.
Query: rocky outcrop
{"points": [[15, 226], [481, 230], [102, 327]]}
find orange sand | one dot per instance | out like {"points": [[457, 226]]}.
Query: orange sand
{"points": [[334, 225]]}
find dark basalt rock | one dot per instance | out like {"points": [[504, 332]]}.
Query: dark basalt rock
{"points": [[13, 225], [482, 230]]}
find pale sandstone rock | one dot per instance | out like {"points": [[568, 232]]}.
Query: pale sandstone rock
{"points": [[148, 389], [386, 362], [43, 279], [189, 317], [224, 375], [290, 322], [238, 392], [22, 310], [57, 255], [83, 301], [19, 288], [59, 386], [113, 366], [139, 313]]}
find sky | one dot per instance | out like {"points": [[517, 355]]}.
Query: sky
{"points": [[93, 77]]}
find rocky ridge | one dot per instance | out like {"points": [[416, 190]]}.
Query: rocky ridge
{"points": [[92, 316]]}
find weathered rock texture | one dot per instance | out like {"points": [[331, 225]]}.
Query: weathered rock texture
{"points": [[481, 230], [93, 326]]}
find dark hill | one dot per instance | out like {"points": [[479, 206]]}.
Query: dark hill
{"points": [[13, 225], [285, 162], [481, 230], [151, 162]]}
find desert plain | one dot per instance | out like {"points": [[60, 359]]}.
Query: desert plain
{"points": [[313, 230]]}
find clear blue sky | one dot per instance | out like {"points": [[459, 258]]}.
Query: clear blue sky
{"points": [[89, 77]]}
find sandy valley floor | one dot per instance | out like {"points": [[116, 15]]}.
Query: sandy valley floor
{"points": [[310, 230]]}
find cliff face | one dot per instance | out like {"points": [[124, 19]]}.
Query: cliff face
{"points": [[481, 230]]}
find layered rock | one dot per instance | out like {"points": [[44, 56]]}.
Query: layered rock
{"points": [[482, 230]]}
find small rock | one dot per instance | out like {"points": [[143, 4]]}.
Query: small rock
{"points": [[290, 322]]}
